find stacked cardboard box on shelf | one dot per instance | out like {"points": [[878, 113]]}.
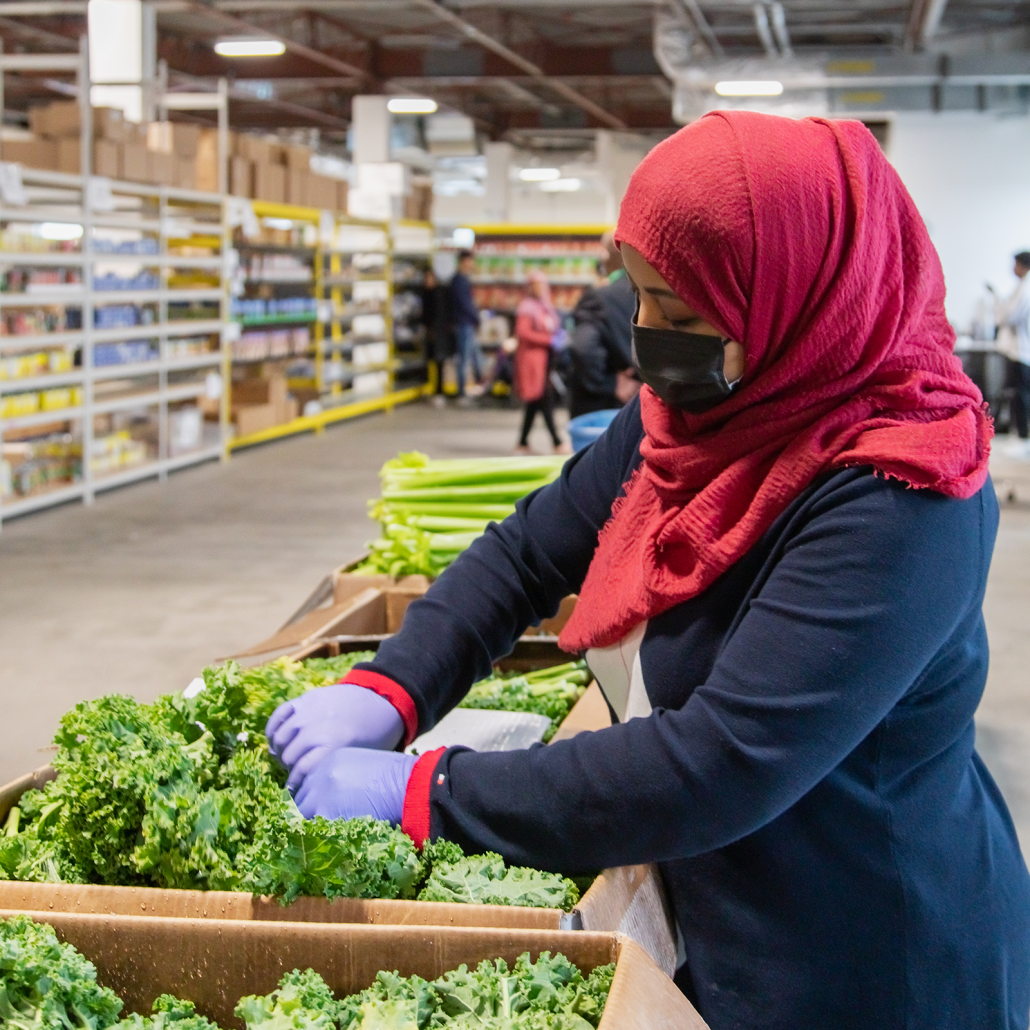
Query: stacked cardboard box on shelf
{"points": [[259, 404], [280, 173]]}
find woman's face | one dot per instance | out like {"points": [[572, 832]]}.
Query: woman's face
{"points": [[660, 308], [536, 288]]}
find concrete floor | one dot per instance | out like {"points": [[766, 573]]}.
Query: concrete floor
{"points": [[139, 592]]}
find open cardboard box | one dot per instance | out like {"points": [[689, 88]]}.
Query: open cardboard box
{"points": [[215, 962], [629, 899], [342, 604]]}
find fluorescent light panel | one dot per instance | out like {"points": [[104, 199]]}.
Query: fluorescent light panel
{"points": [[249, 48], [411, 105], [748, 88], [561, 186], [539, 174]]}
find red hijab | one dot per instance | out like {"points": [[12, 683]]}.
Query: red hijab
{"points": [[798, 240]]}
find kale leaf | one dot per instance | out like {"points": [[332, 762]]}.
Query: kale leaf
{"points": [[45, 984], [486, 880]]}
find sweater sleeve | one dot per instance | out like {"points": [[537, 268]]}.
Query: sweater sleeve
{"points": [[513, 576], [858, 606]]}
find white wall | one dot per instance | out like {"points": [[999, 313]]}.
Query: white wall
{"points": [[969, 175]]}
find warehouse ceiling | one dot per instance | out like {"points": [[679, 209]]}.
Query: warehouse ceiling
{"points": [[549, 72]]}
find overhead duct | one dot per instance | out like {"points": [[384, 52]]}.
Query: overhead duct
{"points": [[830, 82]]}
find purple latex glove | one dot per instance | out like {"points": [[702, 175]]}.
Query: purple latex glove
{"points": [[352, 781], [302, 731]]}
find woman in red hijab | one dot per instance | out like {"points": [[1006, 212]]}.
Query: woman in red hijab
{"points": [[780, 553]]}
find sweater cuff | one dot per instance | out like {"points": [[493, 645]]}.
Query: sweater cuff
{"points": [[415, 818], [393, 692]]}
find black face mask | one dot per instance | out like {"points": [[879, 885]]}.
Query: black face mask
{"points": [[684, 369]]}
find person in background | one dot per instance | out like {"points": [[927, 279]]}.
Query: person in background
{"points": [[536, 326], [466, 321], [436, 317], [603, 376], [1012, 316]]}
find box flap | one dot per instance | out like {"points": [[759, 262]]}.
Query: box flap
{"points": [[590, 712], [643, 997], [34, 780], [364, 612]]}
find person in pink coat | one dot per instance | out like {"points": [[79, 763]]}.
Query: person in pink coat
{"points": [[536, 323]]}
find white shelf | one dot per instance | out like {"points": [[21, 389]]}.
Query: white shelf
{"points": [[41, 299], [110, 480], [174, 261], [146, 399], [127, 371], [193, 361], [29, 257], [155, 296], [35, 340], [41, 418], [10, 509], [50, 381]]}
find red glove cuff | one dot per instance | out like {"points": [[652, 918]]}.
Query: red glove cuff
{"points": [[393, 692], [415, 816]]}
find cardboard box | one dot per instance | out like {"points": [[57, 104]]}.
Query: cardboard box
{"points": [[297, 187], [60, 118], [135, 162], [107, 158], [109, 123], [241, 176], [341, 195], [34, 153], [215, 962], [185, 172], [185, 139], [298, 157], [254, 418], [162, 168], [270, 183], [321, 191], [159, 137], [206, 161]]}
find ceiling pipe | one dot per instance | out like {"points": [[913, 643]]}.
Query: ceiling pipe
{"points": [[923, 22], [763, 30], [780, 31], [475, 35], [692, 10], [248, 29]]}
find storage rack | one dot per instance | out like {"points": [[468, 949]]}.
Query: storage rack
{"points": [[569, 255], [350, 366], [105, 406], [413, 247]]}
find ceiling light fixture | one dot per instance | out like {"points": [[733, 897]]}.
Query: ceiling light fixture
{"points": [[411, 105], [561, 186], [539, 174], [756, 88], [249, 48]]}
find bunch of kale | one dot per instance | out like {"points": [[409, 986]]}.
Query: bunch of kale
{"points": [[47, 985], [183, 793]]}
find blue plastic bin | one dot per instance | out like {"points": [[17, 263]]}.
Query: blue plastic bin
{"points": [[585, 429]]}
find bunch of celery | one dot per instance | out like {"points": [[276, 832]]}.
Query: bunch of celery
{"points": [[430, 511]]}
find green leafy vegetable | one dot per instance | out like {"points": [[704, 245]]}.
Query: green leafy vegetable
{"points": [[430, 511], [170, 1013], [549, 994], [551, 692], [46, 984], [486, 880], [184, 794], [302, 1001]]}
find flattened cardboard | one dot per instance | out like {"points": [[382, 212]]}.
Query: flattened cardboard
{"points": [[215, 962], [363, 612]]}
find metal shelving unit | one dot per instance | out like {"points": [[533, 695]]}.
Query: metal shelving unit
{"points": [[124, 418]]}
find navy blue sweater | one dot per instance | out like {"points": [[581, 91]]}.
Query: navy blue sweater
{"points": [[837, 855]]}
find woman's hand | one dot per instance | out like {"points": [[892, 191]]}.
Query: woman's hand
{"points": [[349, 782], [302, 731]]}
